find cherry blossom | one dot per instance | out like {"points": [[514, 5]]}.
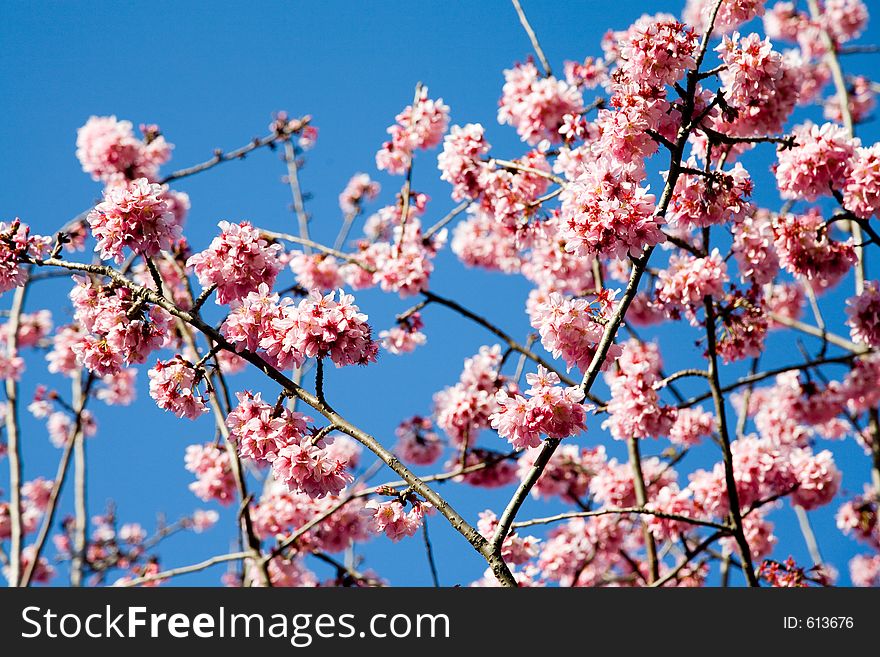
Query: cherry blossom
{"points": [[236, 262]]}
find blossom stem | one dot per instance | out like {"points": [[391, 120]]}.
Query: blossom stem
{"points": [[12, 440], [635, 462], [532, 37], [296, 192], [721, 420], [60, 477]]}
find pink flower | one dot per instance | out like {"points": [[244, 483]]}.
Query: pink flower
{"points": [[203, 520], [806, 249], [213, 470], [237, 262], [701, 202], [550, 410], [753, 248], [657, 51], [135, 215], [864, 570], [32, 328], [109, 151], [496, 472], [864, 315], [573, 328], [688, 280], [120, 329], [250, 318], [861, 189], [567, 474], [417, 127], [461, 162], [817, 476], [309, 467], [862, 101], [817, 163], [118, 388], [515, 549], [416, 442], [317, 271], [635, 409], [259, 431], [759, 535], [759, 83], [536, 105], [607, 212], [670, 499], [358, 188], [691, 425], [320, 327], [173, 384], [588, 74], [393, 520], [17, 243], [844, 19], [463, 410], [731, 13], [405, 336]]}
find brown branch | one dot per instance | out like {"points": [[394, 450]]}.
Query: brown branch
{"points": [[13, 439], [721, 421], [532, 37]]}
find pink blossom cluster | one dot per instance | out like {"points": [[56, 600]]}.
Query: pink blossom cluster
{"points": [[536, 105], [705, 200], [405, 336], [753, 248], [418, 126], [861, 188], [572, 328], [319, 326], [488, 469], [657, 52], [359, 188], [135, 215], [515, 549], [463, 410], [33, 328], [174, 386], [691, 425], [212, 467], [114, 329], [550, 410], [817, 164], [688, 280], [108, 150], [237, 262], [635, 409], [16, 243], [758, 83], [607, 212], [280, 512], [417, 443], [316, 271], [261, 431], [392, 519], [568, 473], [588, 74], [864, 315], [731, 13], [805, 248], [862, 101], [307, 464]]}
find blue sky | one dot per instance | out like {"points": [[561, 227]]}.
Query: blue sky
{"points": [[211, 76]]}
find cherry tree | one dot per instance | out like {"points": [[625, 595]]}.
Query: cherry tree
{"points": [[629, 211]]}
